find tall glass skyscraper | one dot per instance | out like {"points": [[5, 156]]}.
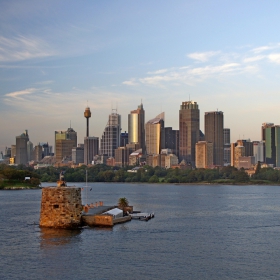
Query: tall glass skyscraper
{"points": [[110, 139], [214, 133], [188, 130], [155, 135], [136, 127]]}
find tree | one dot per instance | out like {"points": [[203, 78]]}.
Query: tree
{"points": [[123, 202]]}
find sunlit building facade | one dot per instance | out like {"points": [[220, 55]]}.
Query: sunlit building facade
{"points": [[136, 127], [188, 131]]}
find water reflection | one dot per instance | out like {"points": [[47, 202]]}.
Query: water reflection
{"points": [[57, 237]]}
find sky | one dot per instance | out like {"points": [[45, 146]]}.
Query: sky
{"points": [[58, 57]]}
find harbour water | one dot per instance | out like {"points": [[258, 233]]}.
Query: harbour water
{"points": [[199, 232]]}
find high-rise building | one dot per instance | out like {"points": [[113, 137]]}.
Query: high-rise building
{"points": [[155, 135], [237, 151], [272, 145], [38, 153], [203, 154], [91, 149], [188, 130], [64, 142], [78, 154], [226, 146], [136, 127], [124, 139], [258, 151], [214, 133], [110, 139], [21, 148], [171, 140]]}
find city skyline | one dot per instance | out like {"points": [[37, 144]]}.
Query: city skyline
{"points": [[54, 62]]}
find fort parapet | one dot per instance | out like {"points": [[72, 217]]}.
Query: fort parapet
{"points": [[61, 207]]}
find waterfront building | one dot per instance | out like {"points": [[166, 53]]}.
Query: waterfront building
{"points": [[110, 139], [204, 154], [136, 127], [246, 162], [214, 133], [91, 149], [155, 134], [188, 130], [171, 138], [21, 148]]}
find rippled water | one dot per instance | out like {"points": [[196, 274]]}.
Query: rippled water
{"points": [[199, 232]]}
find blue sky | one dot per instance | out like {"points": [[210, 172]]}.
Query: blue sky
{"points": [[58, 56]]}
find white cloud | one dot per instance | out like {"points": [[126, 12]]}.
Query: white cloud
{"points": [[161, 71], [202, 56], [131, 82], [274, 57], [23, 48], [253, 58], [19, 94]]}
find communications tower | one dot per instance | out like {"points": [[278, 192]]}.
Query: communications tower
{"points": [[87, 115]]}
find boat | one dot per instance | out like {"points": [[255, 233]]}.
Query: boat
{"points": [[142, 216]]}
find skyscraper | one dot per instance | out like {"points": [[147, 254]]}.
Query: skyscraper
{"points": [[171, 137], [155, 135], [227, 146], [21, 148], [272, 145], [214, 133], [64, 142], [110, 139], [204, 154], [136, 127], [188, 130], [91, 148]]}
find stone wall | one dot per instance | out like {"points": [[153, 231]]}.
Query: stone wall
{"points": [[61, 207]]}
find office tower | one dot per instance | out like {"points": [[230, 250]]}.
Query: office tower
{"points": [[21, 148], [203, 154], [87, 115], [214, 133], [237, 151], [91, 149], [124, 139], [47, 149], [272, 145], [264, 126], [110, 139], [171, 140], [13, 151], [155, 135], [29, 151], [226, 146], [121, 156], [188, 130], [64, 149], [248, 145], [64, 142], [258, 151], [136, 127], [78, 154], [38, 153]]}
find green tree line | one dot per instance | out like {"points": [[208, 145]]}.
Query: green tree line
{"points": [[104, 173]]}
